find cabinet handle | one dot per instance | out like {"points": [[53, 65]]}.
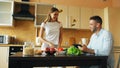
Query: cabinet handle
{"points": [[72, 24], [74, 20], [7, 55]]}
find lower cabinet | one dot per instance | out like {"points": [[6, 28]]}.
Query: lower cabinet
{"points": [[4, 55], [116, 55]]}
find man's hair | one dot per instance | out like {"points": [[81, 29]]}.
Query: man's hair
{"points": [[98, 19]]}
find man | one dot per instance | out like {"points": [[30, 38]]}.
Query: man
{"points": [[100, 43]]}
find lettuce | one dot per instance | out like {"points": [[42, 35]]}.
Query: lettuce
{"points": [[72, 50]]}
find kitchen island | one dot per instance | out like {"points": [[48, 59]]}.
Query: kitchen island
{"points": [[20, 61]]}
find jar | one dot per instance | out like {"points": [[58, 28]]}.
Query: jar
{"points": [[28, 49]]}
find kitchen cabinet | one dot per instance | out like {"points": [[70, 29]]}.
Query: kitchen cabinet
{"points": [[37, 11], [69, 16], [63, 15], [6, 12], [77, 17], [74, 17], [41, 12], [99, 12], [4, 52], [116, 55], [86, 13]]}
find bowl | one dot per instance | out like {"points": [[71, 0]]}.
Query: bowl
{"points": [[50, 52], [61, 52]]}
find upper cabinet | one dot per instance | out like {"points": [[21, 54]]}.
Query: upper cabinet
{"points": [[63, 15], [77, 17], [36, 12], [74, 17], [41, 12], [6, 12], [85, 14], [69, 16], [99, 12]]}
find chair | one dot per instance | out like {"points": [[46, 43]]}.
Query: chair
{"points": [[118, 62]]}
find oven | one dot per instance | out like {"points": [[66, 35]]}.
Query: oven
{"points": [[14, 49]]}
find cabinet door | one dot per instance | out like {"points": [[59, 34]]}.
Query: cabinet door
{"points": [[86, 13], [6, 11], [116, 57], [74, 17], [41, 13], [4, 52], [99, 12], [63, 15]]}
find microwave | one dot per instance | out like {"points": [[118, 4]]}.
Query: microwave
{"points": [[5, 39]]}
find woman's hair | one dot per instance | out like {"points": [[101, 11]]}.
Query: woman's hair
{"points": [[48, 18], [98, 19]]}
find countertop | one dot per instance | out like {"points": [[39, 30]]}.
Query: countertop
{"points": [[7, 45], [20, 61]]}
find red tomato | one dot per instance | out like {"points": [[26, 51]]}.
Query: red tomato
{"points": [[60, 49]]}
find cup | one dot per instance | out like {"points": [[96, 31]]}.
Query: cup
{"points": [[84, 41], [38, 43]]}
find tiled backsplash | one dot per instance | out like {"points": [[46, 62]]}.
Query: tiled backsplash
{"points": [[25, 31], [73, 33], [77, 34]]}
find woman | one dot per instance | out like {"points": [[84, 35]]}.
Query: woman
{"points": [[53, 30]]}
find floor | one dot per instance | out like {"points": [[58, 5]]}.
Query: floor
{"points": [[57, 67]]}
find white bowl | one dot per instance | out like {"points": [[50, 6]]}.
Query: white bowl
{"points": [[61, 52]]}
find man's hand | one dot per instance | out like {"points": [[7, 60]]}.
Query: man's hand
{"points": [[85, 49]]}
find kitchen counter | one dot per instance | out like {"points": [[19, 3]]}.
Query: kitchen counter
{"points": [[7, 45], [20, 61]]}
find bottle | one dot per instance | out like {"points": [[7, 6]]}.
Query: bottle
{"points": [[84, 41], [28, 49]]}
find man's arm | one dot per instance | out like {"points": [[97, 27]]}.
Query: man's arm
{"points": [[85, 49]]}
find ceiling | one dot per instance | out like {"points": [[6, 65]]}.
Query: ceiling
{"points": [[86, 3]]}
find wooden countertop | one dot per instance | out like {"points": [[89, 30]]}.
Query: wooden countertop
{"points": [[7, 45]]}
